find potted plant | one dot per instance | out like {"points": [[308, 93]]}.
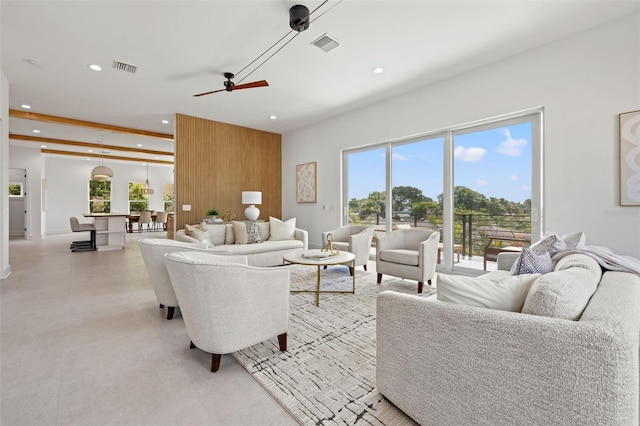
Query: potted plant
{"points": [[212, 214]]}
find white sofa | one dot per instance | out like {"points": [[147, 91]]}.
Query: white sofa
{"points": [[447, 363], [265, 253]]}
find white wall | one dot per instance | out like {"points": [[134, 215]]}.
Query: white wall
{"points": [[5, 268], [67, 182], [583, 82]]}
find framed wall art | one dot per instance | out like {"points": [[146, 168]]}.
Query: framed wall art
{"points": [[630, 158], [306, 183]]}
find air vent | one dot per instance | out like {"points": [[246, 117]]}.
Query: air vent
{"points": [[123, 66], [326, 43]]}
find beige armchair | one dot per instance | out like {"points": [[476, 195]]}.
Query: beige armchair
{"points": [[153, 251], [408, 253], [229, 306], [355, 239]]}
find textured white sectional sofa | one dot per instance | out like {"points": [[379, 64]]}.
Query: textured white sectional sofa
{"points": [[268, 252], [446, 363]]}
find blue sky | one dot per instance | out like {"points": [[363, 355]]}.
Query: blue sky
{"points": [[495, 162]]}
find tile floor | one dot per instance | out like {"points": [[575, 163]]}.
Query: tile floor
{"points": [[83, 342]]}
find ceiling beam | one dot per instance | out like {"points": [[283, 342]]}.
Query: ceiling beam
{"points": [[86, 144], [80, 123], [106, 157]]}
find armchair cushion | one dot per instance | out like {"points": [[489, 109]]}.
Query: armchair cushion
{"points": [[495, 290], [402, 256]]}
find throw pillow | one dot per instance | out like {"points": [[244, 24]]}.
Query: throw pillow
{"points": [[240, 232], [282, 230], [564, 242], [561, 294], [253, 233], [197, 232], [493, 291], [532, 262]]}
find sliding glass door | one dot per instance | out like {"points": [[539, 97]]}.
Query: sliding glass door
{"points": [[471, 183]]}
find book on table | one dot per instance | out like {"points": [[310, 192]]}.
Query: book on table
{"points": [[318, 256]]}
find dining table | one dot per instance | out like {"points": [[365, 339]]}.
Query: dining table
{"points": [[135, 218]]}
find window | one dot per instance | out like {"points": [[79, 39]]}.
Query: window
{"points": [[366, 189], [137, 199], [168, 195], [16, 189], [468, 182], [99, 196]]}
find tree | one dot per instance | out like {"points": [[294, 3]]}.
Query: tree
{"points": [[404, 196], [465, 199], [379, 197]]}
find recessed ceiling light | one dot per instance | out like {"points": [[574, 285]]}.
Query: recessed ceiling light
{"points": [[36, 131], [25, 106], [165, 121], [95, 67], [155, 158], [273, 117], [378, 70], [43, 146], [139, 144], [89, 150]]}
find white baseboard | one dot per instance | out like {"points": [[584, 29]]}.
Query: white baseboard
{"points": [[4, 274]]}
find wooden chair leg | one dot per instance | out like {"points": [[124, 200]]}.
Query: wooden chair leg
{"points": [[215, 362], [161, 306], [365, 266], [170, 311], [282, 341], [379, 278], [420, 286], [351, 271]]}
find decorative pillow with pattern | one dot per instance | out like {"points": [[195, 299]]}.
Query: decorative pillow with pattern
{"points": [[532, 261], [253, 233]]}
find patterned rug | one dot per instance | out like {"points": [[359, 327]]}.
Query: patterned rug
{"points": [[327, 375]]}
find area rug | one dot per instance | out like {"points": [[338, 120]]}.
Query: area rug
{"points": [[327, 375]]}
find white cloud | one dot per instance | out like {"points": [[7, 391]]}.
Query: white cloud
{"points": [[514, 177], [481, 182], [398, 157], [469, 155], [511, 147]]}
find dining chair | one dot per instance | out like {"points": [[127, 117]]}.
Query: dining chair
{"points": [[145, 217], [160, 221]]}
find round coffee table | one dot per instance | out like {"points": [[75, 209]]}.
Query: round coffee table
{"points": [[308, 257]]}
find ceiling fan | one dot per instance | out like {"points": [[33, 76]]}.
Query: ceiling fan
{"points": [[230, 86]]}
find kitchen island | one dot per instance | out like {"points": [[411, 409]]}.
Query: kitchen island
{"points": [[110, 230]]}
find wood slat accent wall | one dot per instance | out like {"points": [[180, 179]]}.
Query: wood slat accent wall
{"points": [[215, 162]]}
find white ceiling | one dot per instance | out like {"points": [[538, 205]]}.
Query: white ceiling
{"points": [[182, 48]]}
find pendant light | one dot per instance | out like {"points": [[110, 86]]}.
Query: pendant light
{"points": [[101, 172], [147, 190]]}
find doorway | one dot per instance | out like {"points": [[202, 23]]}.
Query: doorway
{"points": [[17, 204]]}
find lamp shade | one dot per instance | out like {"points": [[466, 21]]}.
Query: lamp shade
{"points": [[101, 173], [251, 197]]}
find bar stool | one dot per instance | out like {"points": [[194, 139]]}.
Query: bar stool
{"points": [[83, 227]]}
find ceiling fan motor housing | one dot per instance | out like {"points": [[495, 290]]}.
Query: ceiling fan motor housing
{"points": [[299, 17]]}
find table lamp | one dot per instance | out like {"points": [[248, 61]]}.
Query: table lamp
{"points": [[252, 198]]}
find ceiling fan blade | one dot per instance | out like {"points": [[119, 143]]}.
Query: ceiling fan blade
{"points": [[208, 93], [261, 83]]}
